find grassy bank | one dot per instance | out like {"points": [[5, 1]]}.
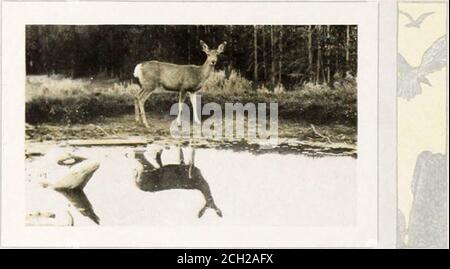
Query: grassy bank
{"points": [[61, 100]]}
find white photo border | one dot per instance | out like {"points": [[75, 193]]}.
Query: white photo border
{"points": [[16, 15]]}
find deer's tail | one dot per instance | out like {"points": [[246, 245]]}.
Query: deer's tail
{"points": [[138, 74]]}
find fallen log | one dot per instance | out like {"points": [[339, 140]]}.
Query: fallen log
{"points": [[77, 177], [107, 142]]}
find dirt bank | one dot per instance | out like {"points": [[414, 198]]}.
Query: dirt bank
{"points": [[293, 136]]}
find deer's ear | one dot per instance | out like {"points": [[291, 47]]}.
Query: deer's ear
{"points": [[221, 47], [204, 46]]}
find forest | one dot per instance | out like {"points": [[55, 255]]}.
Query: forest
{"points": [[265, 54], [79, 75]]}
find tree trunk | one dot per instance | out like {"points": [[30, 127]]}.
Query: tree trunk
{"points": [[347, 46], [264, 52], [230, 49], [255, 54], [197, 33], [310, 56], [280, 56], [212, 31], [337, 67], [319, 53], [43, 41], [189, 43], [328, 53], [272, 50]]}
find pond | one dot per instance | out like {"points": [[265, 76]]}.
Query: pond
{"points": [[152, 186]]}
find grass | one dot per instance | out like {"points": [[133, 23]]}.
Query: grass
{"points": [[57, 99]]}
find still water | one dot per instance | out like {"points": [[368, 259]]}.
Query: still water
{"points": [[158, 185]]}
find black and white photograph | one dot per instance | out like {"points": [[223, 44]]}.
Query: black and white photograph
{"points": [[191, 127], [226, 131], [99, 146]]}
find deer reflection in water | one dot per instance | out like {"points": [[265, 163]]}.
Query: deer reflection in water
{"points": [[173, 176]]}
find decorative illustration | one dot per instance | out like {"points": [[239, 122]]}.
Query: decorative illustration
{"points": [[415, 22], [410, 78], [401, 229], [428, 220], [422, 219]]}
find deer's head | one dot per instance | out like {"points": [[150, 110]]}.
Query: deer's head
{"points": [[212, 55]]}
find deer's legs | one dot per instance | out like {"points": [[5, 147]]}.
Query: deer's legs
{"points": [[193, 97], [141, 100], [158, 158], [180, 106], [137, 116], [191, 162], [180, 157], [142, 113], [137, 113]]}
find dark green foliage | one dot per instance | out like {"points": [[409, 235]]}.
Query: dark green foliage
{"points": [[76, 109], [112, 51], [318, 107]]}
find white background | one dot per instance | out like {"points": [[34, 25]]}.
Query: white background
{"points": [[17, 15]]}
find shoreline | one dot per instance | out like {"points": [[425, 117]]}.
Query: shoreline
{"points": [[293, 137]]}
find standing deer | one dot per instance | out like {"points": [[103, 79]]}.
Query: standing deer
{"points": [[172, 77]]}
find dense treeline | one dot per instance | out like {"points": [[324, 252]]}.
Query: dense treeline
{"points": [[265, 54]]}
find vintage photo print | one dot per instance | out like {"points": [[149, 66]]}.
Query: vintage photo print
{"points": [[197, 130], [88, 88]]}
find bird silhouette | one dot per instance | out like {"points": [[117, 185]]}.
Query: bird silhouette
{"points": [[410, 78], [416, 23]]}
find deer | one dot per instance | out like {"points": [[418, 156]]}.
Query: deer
{"points": [[184, 79], [151, 178]]}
